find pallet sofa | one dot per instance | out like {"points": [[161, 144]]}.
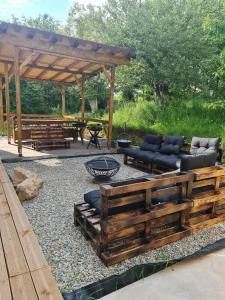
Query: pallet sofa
{"points": [[124, 219], [48, 137], [160, 154]]}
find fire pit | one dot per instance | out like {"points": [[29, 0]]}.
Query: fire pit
{"points": [[102, 167]]}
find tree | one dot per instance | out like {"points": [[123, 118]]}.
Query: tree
{"points": [[167, 35], [43, 22]]}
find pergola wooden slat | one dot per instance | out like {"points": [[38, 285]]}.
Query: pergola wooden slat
{"points": [[33, 54]]}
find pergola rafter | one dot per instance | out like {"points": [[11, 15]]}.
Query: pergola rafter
{"points": [[32, 54]]}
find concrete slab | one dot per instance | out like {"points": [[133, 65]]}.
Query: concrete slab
{"points": [[198, 278], [9, 151]]}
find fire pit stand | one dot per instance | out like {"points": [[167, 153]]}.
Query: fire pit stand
{"points": [[102, 167]]}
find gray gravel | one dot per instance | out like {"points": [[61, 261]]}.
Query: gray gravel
{"points": [[72, 258]]}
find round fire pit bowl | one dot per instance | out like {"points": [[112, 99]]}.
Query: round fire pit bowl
{"points": [[102, 167], [124, 143]]}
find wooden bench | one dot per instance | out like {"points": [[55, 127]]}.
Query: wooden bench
{"points": [[24, 271], [48, 137], [197, 200]]}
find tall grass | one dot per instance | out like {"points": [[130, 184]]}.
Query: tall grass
{"points": [[189, 117]]}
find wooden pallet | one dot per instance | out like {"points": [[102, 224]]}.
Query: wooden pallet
{"points": [[24, 271], [199, 203]]}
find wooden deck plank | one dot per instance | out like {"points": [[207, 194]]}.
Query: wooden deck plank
{"points": [[32, 250], [45, 285], [3, 175], [5, 293], [23, 288], [15, 259], [3, 269]]}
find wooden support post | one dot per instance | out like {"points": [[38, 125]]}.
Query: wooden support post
{"points": [[7, 98], [111, 102], [1, 109], [18, 100], [82, 88], [63, 100]]}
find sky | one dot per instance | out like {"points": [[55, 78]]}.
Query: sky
{"points": [[32, 8]]}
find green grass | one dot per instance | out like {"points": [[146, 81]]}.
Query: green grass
{"points": [[188, 117]]}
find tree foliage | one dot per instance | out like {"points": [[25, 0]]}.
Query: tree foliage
{"points": [[176, 41]]}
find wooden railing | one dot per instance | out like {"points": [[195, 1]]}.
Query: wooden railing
{"points": [[29, 118]]}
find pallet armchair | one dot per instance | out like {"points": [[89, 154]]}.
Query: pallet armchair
{"points": [[126, 218]]}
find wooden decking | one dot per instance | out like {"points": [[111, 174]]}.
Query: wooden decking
{"points": [[24, 271]]}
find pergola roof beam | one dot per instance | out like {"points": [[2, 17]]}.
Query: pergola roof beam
{"points": [[51, 65], [26, 72], [24, 63]]}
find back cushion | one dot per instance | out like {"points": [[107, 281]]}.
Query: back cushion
{"points": [[204, 145], [190, 162], [172, 144], [151, 142]]}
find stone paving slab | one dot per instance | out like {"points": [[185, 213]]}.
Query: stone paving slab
{"points": [[197, 278], [9, 151]]}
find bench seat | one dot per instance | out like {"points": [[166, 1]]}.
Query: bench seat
{"points": [[48, 137], [126, 218]]}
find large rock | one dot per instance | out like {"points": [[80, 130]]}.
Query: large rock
{"points": [[27, 183]]}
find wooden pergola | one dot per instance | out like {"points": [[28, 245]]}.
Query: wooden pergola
{"points": [[32, 54]]}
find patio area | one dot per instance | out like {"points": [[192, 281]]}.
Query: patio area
{"points": [[9, 152]]}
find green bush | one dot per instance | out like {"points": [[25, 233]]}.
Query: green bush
{"points": [[188, 117]]}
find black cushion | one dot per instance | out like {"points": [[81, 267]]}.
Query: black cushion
{"points": [[151, 142], [204, 145], [132, 152], [172, 144], [150, 147], [93, 198], [146, 156], [170, 149], [189, 162], [171, 161], [153, 139]]}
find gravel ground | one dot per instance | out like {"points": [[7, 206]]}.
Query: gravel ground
{"points": [[72, 258]]}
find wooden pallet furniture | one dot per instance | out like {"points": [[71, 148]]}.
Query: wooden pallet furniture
{"points": [[208, 197], [162, 154], [170, 207], [48, 137], [24, 271], [28, 124]]}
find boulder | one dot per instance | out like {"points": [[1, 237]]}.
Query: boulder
{"points": [[27, 183]]}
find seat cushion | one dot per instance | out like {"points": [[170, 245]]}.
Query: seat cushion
{"points": [[146, 156], [150, 147], [151, 142], [93, 198], [171, 144], [189, 162], [132, 152], [171, 161], [204, 145]]}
